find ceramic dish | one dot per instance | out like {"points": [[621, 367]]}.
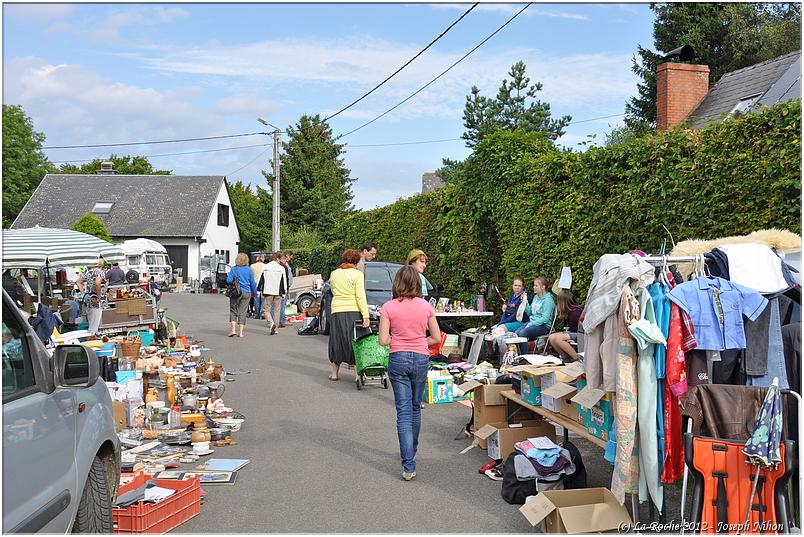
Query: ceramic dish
{"points": [[229, 424], [201, 453]]}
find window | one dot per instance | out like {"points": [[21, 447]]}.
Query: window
{"points": [[743, 105], [227, 257], [223, 215], [102, 207], [133, 260], [377, 279], [150, 259], [17, 365]]}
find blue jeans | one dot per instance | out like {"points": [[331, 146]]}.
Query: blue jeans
{"points": [[408, 374], [258, 305], [282, 317], [531, 332]]}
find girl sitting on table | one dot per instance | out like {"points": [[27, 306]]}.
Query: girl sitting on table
{"points": [[541, 312], [571, 312]]}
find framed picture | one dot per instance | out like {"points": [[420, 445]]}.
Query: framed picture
{"points": [[170, 474], [209, 477]]}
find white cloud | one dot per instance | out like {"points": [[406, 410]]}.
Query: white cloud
{"points": [[110, 28], [246, 105], [511, 9], [83, 107], [39, 12]]}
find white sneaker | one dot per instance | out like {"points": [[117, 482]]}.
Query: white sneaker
{"points": [[407, 476]]}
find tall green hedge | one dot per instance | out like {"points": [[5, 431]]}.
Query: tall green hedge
{"points": [[519, 206]]}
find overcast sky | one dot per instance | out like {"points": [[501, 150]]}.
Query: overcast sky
{"points": [[106, 73]]}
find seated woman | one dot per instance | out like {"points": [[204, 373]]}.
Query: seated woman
{"points": [[541, 312], [571, 312], [513, 316]]}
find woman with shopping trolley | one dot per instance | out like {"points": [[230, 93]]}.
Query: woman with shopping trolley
{"points": [[404, 322], [348, 305]]}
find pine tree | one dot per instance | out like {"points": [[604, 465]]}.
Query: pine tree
{"points": [[514, 107]]}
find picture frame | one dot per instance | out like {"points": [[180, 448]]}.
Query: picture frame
{"points": [[209, 477]]}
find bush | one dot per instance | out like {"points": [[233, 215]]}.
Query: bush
{"points": [[91, 225], [520, 207]]}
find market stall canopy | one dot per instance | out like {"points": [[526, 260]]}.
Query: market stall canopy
{"points": [[37, 247]]}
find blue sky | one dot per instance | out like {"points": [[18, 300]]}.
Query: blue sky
{"points": [[107, 73]]}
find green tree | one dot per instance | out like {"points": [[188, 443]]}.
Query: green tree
{"points": [[514, 107], [316, 187], [253, 211], [123, 165], [92, 225], [24, 163], [725, 37]]}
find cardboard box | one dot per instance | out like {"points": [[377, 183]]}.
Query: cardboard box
{"points": [[531, 378], [501, 436], [553, 396], [120, 415], [577, 511], [594, 411], [439, 390], [489, 405]]}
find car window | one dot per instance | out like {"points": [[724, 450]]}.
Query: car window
{"points": [[17, 365], [377, 279], [133, 260], [150, 259]]}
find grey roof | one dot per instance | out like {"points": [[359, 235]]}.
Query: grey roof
{"points": [[776, 80], [144, 205]]}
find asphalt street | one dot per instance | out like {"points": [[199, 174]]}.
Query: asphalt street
{"points": [[324, 456]]}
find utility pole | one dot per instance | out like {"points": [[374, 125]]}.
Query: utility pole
{"points": [[275, 211]]}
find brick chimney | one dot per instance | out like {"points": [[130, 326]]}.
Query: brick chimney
{"points": [[680, 87]]}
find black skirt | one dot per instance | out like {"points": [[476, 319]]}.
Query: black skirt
{"points": [[341, 334]]}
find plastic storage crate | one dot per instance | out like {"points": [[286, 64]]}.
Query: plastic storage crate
{"points": [[159, 517]]}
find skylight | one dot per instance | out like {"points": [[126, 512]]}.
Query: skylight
{"points": [[744, 104], [102, 207]]}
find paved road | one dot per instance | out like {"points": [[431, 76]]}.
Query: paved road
{"points": [[324, 457]]}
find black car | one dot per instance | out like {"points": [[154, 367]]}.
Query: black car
{"points": [[379, 277]]}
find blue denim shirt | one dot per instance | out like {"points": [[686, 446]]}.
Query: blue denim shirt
{"points": [[713, 332]]}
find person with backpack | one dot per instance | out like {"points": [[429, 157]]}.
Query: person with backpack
{"points": [[404, 322], [241, 286]]}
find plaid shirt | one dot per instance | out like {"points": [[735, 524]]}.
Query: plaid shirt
{"points": [[688, 341]]}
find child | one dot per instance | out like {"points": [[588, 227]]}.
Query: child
{"points": [[404, 322]]}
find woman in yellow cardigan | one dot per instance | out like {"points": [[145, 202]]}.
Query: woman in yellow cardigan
{"points": [[348, 306]]}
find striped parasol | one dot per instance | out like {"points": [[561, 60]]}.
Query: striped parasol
{"points": [[37, 247]]}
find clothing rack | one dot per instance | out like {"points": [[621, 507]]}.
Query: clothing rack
{"points": [[656, 259]]}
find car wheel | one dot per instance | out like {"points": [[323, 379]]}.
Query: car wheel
{"points": [[305, 302], [95, 509], [323, 320]]}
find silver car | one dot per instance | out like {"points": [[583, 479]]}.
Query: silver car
{"points": [[61, 454]]}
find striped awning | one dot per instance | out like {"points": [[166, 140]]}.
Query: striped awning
{"points": [[37, 246]]}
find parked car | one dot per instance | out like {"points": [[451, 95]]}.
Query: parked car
{"points": [[379, 278], [61, 454]]}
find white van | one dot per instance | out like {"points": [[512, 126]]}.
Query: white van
{"points": [[148, 258]]}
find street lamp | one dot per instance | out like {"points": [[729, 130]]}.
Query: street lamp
{"points": [[275, 212]]}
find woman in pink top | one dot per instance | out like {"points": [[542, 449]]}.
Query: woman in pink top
{"points": [[404, 322]]}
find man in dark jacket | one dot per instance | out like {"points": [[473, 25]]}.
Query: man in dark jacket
{"points": [[115, 275]]}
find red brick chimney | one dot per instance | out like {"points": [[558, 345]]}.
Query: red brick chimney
{"points": [[680, 87]]}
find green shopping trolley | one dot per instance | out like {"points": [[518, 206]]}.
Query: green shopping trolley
{"points": [[371, 358]]}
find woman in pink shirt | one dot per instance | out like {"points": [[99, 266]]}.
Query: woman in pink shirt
{"points": [[404, 323]]}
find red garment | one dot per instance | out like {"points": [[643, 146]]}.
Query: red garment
{"points": [[673, 466], [676, 363]]}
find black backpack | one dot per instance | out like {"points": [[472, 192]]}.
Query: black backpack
{"points": [[515, 491]]}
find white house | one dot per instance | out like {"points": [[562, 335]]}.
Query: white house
{"points": [[192, 216]]}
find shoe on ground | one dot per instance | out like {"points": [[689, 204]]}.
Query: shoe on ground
{"points": [[407, 476], [273, 330], [494, 474]]}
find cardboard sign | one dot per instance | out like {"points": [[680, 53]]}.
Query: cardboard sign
{"points": [[588, 397]]}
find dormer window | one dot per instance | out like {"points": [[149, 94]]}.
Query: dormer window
{"points": [[744, 105], [102, 207]]}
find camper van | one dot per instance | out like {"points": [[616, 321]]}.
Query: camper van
{"points": [[148, 258]]}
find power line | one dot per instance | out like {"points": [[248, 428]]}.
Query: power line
{"points": [[442, 34], [407, 143], [250, 162], [171, 154], [440, 75], [156, 141]]}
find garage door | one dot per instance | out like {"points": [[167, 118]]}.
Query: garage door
{"points": [[178, 258]]}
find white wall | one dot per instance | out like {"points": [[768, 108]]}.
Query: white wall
{"points": [[192, 255], [220, 237]]}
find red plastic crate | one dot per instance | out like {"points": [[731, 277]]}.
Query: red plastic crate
{"points": [[159, 517]]}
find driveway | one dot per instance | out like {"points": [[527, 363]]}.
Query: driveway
{"points": [[324, 456]]}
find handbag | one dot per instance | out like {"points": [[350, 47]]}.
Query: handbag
{"points": [[234, 288]]}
